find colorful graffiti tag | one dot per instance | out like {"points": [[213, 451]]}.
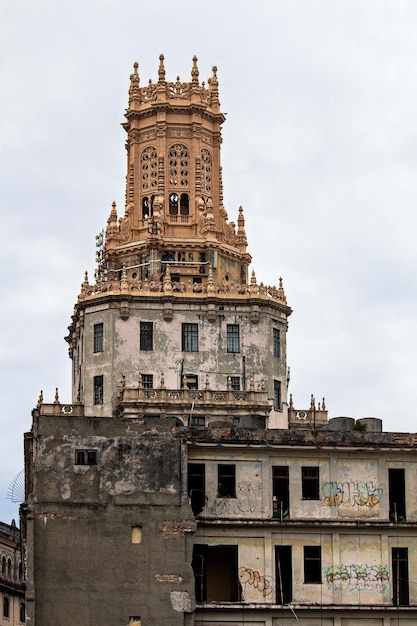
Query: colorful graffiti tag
{"points": [[357, 577], [252, 577], [351, 494]]}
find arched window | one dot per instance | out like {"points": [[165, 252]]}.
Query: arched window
{"points": [[173, 204], [20, 571], [147, 207], [3, 567], [9, 568], [149, 168], [178, 165], [184, 204]]}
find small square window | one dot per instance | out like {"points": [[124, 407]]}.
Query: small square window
{"points": [[86, 457], [226, 481], [98, 385], [233, 338], [146, 336], [190, 337], [310, 483], [312, 564], [98, 338], [147, 381], [235, 383], [137, 534]]}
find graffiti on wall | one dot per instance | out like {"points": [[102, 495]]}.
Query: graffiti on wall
{"points": [[357, 577], [351, 494], [246, 500], [252, 577]]}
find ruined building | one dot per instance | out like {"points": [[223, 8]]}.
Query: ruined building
{"points": [[181, 486], [12, 594]]}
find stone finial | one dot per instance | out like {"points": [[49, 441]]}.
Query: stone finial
{"points": [[291, 402], [211, 289], [207, 382], [253, 288], [241, 239], [229, 383], [134, 91], [281, 292], [161, 70], [184, 382], [252, 383], [56, 401], [40, 400], [194, 71], [139, 381], [214, 89], [323, 404], [167, 283], [162, 381], [312, 403], [124, 285]]}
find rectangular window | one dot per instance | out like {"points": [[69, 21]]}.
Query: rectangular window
{"points": [[235, 383], [6, 607], [197, 420], [197, 486], [216, 573], [283, 574], [226, 481], [310, 483], [137, 534], [190, 381], [146, 336], [280, 492], [276, 342], [190, 337], [233, 339], [277, 395], [22, 611], [86, 457], [312, 564], [400, 582], [147, 381], [98, 338], [98, 384], [396, 484]]}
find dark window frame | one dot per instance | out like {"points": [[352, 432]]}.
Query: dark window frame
{"points": [[312, 565], [189, 337], [22, 612], [146, 336], [277, 395], [98, 342], [310, 482], [226, 480], [85, 457], [233, 338], [98, 390], [147, 381], [6, 607], [235, 383], [276, 342]]}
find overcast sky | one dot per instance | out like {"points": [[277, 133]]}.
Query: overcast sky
{"points": [[319, 146]]}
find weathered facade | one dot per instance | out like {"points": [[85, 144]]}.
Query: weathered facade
{"points": [[12, 594], [181, 486]]}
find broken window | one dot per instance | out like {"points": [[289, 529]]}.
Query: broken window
{"points": [[134, 621], [226, 481], [98, 338], [146, 336], [276, 342], [216, 573], [312, 564], [233, 340], [283, 574], [190, 381], [310, 483], [190, 337], [86, 457], [277, 395], [235, 383], [98, 390], [147, 381], [396, 482], [400, 582], [280, 492], [197, 486]]}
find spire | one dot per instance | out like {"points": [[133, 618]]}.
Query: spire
{"points": [[281, 292], [241, 239], [161, 70], [134, 91], [194, 71], [214, 89]]}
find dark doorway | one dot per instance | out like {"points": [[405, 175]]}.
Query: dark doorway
{"points": [[280, 492], [216, 573], [197, 486], [400, 584], [396, 482], [283, 574]]}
